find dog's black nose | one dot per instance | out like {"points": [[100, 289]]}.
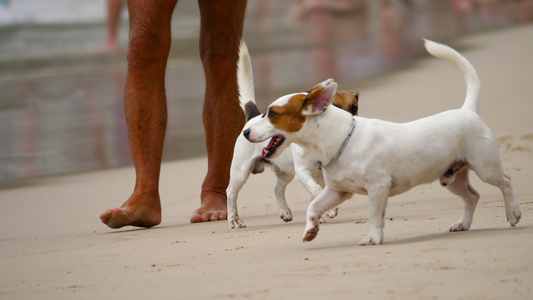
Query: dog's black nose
{"points": [[246, 133]]}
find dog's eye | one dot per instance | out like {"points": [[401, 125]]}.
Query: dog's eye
{"points": [[272, 113]]}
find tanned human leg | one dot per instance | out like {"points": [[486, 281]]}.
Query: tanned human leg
{"points": [[145, 110], [220, 35]]}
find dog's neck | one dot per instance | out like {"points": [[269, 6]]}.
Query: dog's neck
{"points": [[326, 164], [326, 135]]}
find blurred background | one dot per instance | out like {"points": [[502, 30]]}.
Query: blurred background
{"points": [[62, 74]]}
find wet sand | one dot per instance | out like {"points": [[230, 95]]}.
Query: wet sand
{"points": [[52, 244]]}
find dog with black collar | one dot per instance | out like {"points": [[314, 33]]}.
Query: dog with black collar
{"points": [[382, 159]]}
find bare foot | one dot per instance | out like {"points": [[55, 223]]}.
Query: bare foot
{"points": [[110, 46], [213, 208], [141, 210]]}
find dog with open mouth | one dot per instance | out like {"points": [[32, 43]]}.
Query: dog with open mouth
{"points": [[381, 159], [250, 158]]}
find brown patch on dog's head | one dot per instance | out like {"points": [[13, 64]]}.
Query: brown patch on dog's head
{"points": [[288, 117], [347, 100], [291, 115]]}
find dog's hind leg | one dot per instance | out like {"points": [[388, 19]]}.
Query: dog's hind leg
{"points": [[462, 188], [512, 209], [488, 167], [284, 179], [325, 201]]}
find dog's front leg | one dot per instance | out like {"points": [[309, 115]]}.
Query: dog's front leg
{"points": [[311, 185], [325, 201], [377, 197], [233, 216], [284, 179], [240, 171]]}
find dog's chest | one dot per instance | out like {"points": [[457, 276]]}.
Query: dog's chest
{"points": [[352, 182]]}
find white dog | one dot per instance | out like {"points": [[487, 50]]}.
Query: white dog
{"points": [[250, 158], [382, 159]]}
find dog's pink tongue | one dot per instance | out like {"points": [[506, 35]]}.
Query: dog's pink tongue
{"points": [[270, 145], [272, 142]]}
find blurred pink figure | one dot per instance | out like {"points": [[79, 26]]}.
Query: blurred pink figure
{"points": [[303, 8], [114, 10], [469, 4]]}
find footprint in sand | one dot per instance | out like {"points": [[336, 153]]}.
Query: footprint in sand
{"points": [[509, 143]]}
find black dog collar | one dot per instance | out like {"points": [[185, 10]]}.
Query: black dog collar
{"points": [[352, 128]]}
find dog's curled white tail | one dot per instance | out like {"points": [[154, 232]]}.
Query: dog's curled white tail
{"points": [[464, 66], [245, 82]]}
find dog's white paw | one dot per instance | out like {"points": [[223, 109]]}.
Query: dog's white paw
{"points": [[459, 226], [236, 223], [332, 213], [514, 215], [311, 230], [285, 215], [371, 239]]}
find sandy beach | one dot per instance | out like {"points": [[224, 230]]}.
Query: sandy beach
{"points": [[53, 246]]}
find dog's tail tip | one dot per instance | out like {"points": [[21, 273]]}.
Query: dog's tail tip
{"points": [[243, 51], [435, 48], [463, 65], [245, 82], [428, 43]]}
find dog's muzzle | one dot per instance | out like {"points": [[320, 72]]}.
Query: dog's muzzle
{"points": [[246, 134]]}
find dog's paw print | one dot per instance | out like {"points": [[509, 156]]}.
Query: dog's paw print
{"points": [[528, 137], [514, 151], [509, 143], [505, 143], [526, 143]]}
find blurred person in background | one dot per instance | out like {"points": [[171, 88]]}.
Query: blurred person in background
{"points": [[114, 11]]}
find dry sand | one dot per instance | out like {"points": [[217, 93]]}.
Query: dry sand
{"points": [[53, 246]]}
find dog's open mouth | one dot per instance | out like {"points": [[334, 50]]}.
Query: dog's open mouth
{"points": [[275, 142]]}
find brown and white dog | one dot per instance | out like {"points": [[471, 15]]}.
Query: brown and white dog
{"points": [[382, 159], [250, 158]]}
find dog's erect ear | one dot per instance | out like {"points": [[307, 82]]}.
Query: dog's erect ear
{"points": [[355, 94], [319, 98]]}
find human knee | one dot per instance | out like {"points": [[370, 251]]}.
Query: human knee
{"points": [[147, 48]]}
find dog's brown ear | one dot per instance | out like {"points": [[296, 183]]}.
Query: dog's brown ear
{"points": [[319, 97], [356, 95]]}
